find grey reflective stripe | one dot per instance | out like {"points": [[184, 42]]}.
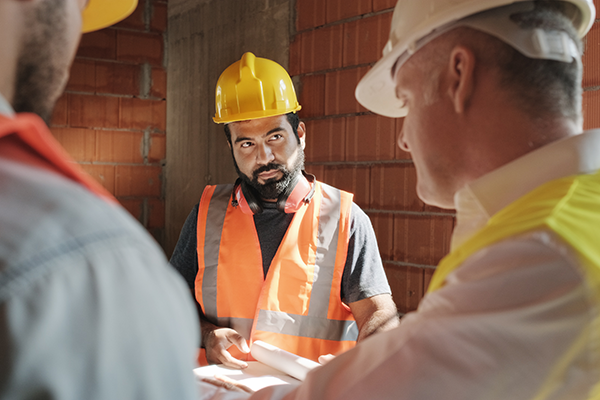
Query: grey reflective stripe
{"points": [[243, 326], [212, 241], [306, 326], [327, 241]]}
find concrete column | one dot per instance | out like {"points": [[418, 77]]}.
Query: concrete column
{"points": [[204, 38]]}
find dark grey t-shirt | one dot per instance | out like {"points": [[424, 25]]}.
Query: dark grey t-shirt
{"points": [[363, 276]]}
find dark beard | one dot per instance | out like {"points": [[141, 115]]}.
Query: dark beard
{"points": [[40, 76], [273, 187]]}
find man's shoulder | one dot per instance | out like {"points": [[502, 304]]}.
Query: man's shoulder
{"points": [[45, 216]]}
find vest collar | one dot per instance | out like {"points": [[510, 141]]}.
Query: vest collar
{"points": [[484, 197]]}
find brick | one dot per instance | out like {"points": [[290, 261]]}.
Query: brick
{"points": [[325, 140], [117, 78], [400, 154], [317, 171], [310, 14], [351, 178], [138, 180], [158, 148], [421, 239], [365, 38], [156, 213], [134, 207], [339, 91], [370, 138], [60, 114], [312, 95], [338, 10], [383, 225], [295, 55], [321, 49], [79, 143], [393, 187], [83, 76], [158, 22], [136, 19], [158, 88], [591, 58], [139, 47], [87, 111], [591, 109], [119, 146], [379, 5], [100, 44], [406, 283], [143, 114], [104, 174]]}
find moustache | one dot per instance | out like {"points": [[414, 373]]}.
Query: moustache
{"points": [[268, 167]]}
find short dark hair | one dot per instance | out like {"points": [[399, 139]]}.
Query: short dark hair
{"points": [[292, 118], [540, 86]]}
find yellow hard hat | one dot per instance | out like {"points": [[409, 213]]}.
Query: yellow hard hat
{"points": [[103, 13], [254, 88]]}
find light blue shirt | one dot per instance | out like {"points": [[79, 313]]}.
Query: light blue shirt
{"points": [[5, 107]]}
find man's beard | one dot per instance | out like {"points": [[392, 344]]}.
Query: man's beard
{"points": [[42, 70], [273, 187]]}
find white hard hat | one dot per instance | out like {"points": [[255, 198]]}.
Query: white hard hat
{"points": [[417, 22]]}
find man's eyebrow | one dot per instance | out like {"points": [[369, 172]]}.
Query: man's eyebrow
{"points": [[243, 139]]}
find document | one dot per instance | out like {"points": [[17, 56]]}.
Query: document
{"points": [[274, 366]]}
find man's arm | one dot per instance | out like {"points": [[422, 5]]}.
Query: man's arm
{"points": [[374, 314], [216, 340], [364, 284]]}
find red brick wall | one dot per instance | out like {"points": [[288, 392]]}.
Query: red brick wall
{"points": [[336, 43], [591, 76], [112, 116]]}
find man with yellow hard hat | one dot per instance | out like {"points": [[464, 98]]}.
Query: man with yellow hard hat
{"points": [[490, 91], [89, 307], [278, 256]]}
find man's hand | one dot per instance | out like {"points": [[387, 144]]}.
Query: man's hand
{"points": [[216, 343]]}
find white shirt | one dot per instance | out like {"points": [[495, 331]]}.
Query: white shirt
{"points": [[89, 307], [501, 326]]}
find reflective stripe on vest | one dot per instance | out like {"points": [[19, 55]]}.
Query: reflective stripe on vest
{"points": [[299, 300], [569, 207]]}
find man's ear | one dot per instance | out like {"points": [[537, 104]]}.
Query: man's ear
{"points": [[461, 76], [302, 134]]}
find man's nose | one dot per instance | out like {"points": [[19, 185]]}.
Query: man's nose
{"points": [[264, 155], [401, 142]]}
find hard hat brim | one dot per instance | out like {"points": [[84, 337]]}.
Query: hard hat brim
{"points": [[100, 14]]}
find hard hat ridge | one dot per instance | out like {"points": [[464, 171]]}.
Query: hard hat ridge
{"points": [[253, 88]]}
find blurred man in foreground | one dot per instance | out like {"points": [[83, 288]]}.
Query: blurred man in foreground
{"points": [[89, 308]]}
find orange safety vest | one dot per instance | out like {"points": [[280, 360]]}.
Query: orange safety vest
{"points": [[26, 138], [297, 306]]}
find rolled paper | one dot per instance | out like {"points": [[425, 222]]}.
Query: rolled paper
{"points": [[282, 360]]}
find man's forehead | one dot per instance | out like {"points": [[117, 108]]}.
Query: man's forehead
{"points": [[260, 125]]}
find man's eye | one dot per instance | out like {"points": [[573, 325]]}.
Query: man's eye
{"points": [[276, 137], [246, 145]]}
